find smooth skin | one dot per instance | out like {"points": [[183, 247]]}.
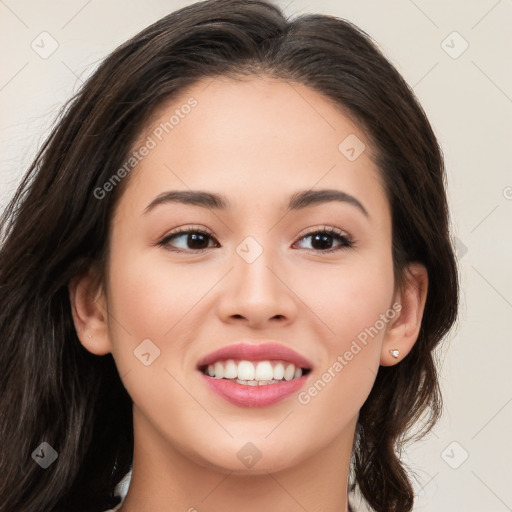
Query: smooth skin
{"points": [[257, 141]]}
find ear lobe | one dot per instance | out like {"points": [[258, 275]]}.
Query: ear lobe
{"points": [[88, 307], [402, 333]]}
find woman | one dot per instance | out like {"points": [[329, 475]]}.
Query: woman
{"points": [[227, 271]]}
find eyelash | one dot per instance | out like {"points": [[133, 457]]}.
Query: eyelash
{"points": [[345, 240]]}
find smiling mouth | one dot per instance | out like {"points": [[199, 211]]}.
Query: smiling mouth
{"points": [[254, 373]]}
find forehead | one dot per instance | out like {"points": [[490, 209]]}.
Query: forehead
{"points": [[255, 134], [229, 112]]}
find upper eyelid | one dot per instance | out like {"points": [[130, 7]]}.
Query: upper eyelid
{"points": [[190, 229], [321, 229], [313, 230]]}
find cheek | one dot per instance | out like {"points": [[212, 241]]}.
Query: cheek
{"points": [[149, 300], [151, 296], [348, 298], [352, 301]]}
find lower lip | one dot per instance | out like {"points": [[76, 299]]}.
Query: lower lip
{"points": [[254, 396]]}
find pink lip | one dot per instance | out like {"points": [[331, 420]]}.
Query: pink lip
{"points": [[256, 352], [254, 396]]}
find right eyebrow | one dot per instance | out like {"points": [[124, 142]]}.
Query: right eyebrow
{"points": [[192, 197]]}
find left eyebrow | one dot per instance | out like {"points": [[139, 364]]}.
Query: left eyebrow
{"points": [[312, 197], [298, 200]]}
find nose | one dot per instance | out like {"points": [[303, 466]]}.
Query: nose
{"points": [[257, 294]]}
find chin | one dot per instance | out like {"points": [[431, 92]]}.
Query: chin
{"points": [[252, 455]]}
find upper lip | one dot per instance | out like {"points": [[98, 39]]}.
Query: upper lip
{"points": [[256, 352]]}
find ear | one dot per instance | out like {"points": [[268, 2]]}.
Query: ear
{"points": [[89, 310], [402, 332]]}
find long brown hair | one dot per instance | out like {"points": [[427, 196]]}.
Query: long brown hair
{"points": [[55, 391]]}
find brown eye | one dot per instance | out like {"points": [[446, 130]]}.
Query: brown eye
{"points": [[187, 240], [328, 240]]}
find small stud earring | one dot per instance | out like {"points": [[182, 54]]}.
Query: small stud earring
{"points": [[395, 353]]}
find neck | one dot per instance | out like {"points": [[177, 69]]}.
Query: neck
{"points": [[166, 479]]}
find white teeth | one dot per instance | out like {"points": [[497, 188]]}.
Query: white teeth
{"points": [[264, 371], [219, 370], [230, 370], [251, 373], [247, 382], [256, 382], [246, 370], [289, 372], [278, 371]]}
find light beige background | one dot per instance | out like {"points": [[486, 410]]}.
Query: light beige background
{"points": [[469, 102]]}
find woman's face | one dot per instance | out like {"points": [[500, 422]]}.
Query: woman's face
{"points": [[255, 272]]}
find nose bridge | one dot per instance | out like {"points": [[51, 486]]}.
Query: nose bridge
{"points": [[255, 290], [255, 258]]}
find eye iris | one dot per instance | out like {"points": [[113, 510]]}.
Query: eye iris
{"points": [[197, 241], [324, 239]]}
